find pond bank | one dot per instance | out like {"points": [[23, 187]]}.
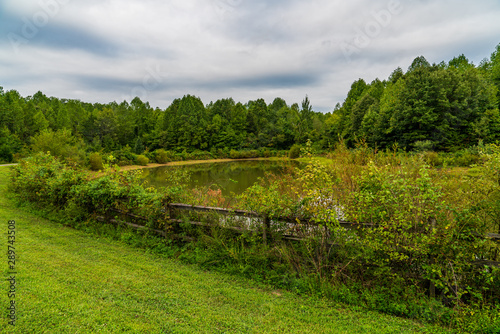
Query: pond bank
{"points": [[188, 162]]}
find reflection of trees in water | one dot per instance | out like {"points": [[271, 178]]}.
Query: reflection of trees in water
{"points": [[230, 177]]}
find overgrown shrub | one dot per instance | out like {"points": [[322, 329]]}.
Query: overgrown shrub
{"points": [[432, 158], [414, 230], [61, 144], [465, 159], [423, 146], [244, 154], [95, 160], [46, 181], [162, 156], [199, 155], [124, 156], [142, 160], [294, 152]]}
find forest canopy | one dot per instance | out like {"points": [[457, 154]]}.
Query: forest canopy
{"points": [[443, 107]]}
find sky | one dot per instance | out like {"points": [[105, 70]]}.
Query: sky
{"points": [[115, 50]]}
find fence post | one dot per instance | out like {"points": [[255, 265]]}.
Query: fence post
{"points": [[265, 227], [167, 218]]}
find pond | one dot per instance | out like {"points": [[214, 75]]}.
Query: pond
{"points": [[231, 177]]}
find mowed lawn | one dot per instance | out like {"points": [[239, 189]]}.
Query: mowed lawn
{"points": [[72, 282]]}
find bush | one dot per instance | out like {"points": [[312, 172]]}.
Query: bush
{"points": [[43, 179], [233, 154], [51, 184], [61, 144], [466, 159], [432, 158], [142, 160], [423, 145], [124, 156], [162, 156], [294, 152], [95, 160], [199, 155]]}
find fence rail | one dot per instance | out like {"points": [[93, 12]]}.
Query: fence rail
{"points": [[265, 224]]}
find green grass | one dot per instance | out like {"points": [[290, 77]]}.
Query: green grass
{"points": [[69, 281]]}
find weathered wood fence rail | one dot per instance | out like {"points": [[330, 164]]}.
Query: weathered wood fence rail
{"points": [[246, 218], [264, 221]]}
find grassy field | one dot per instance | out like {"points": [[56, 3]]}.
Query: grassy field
{"points": [[68, 281]]}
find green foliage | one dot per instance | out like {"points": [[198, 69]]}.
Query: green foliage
{"points": [[10, 144], [138, 146], [415, 236], [432, 159], [142, 160], [452, 106], [161, 156], [233, 154], [268, 200], [423, 145], [294, 152], [424, 227], [45, 180], [124, 156], [52, 184], [307, 150], [95, 160], [61, 144]]}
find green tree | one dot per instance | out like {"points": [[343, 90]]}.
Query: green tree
{"points": [[358, 113], [106, 128], [487, 127], [396, 75], [437, 104], [60, 143], [259, 123], [419, 63], [338, 125], [10, 144], [461, 63], [494, 70], [191, 124]]}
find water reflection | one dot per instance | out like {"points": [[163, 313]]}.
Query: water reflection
{"points": [[231, 177]]}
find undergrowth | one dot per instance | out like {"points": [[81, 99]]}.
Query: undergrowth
{"points": [[415, 250]]}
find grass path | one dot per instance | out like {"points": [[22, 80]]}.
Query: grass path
{"points": [[72, 282]]}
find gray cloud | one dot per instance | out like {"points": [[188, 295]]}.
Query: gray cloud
{"points": [[103, 51], [38, 27]]}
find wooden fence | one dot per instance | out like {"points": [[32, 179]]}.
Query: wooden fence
{"points": [[117, 216], [262, 222]]}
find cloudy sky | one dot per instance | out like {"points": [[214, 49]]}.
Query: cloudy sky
{"points": [[114, 50]]}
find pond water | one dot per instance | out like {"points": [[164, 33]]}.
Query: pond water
{"points": [[231, 177]]}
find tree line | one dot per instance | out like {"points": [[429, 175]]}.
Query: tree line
{"points": [[186, 125], [443, 106]]}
